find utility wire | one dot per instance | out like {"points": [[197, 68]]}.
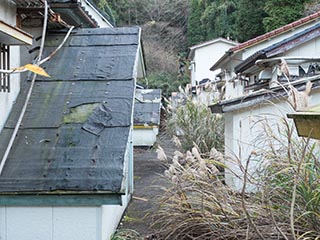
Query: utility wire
{"points": [[17, 126]]}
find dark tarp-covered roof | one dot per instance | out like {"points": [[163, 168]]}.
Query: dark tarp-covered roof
{"points": [[75, 131], [147, 107]]}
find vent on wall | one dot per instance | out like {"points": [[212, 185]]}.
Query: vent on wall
{"points": [[4, 64]]}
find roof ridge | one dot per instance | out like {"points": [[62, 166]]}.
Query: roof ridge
{"points": [[213, 40], [276, 32]]}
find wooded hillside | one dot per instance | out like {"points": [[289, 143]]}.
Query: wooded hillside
{"points": [[171, 26]]}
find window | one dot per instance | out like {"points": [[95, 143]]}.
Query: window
{"points": [[4, 64]]}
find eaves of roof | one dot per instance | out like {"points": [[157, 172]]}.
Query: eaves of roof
{"points": [[256, 98], [280, 47], [276, 32], [222, 60], [207, 43], [265, 37], [71, 11], [28, 3], [73, 14]]}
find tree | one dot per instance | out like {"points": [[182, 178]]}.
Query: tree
{"points": [[219, 19], [249, 17], [196, 33], [104, 6], [282, 12]]}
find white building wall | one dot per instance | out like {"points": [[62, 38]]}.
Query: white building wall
{"points": [[307, 49], [204, 57], [251, 50], [50, 223], [243, 136], [111, 217], [233, 87], [8, 12], [60, 223], [145, 136], [8, 15]]}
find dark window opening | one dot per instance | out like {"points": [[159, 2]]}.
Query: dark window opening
{"points": [[4, 64]]}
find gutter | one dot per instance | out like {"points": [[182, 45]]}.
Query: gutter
{"points": [[251, 100]]}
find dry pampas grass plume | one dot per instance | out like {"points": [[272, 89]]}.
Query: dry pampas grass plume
{"points": [[161, 154], [299, 100]]}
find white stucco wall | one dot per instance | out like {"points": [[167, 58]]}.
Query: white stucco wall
{"points": [[111, 217], [145, 136], [8, 15], [59, 223], [242, 135], [204, 58]]}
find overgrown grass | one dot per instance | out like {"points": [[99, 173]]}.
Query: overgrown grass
{"points": [[194, 124], [292, 181], [126, 234], [199, 205]]}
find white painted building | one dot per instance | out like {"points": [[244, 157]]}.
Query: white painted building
{"points": [[146, 117], [34, 203], [256, 88], [201, 57], [234, 86], [11, 38]]}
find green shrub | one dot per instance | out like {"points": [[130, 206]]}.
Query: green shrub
{"points": [[196, 125]]}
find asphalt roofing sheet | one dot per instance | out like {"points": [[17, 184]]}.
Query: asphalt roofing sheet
{"points": [[147, 107], [75, 132]]}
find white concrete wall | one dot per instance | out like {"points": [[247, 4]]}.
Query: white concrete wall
{"points": [[60, 223], [308, 49], [145, 136], [50, 223], [233, 88], [243, 135], [251, 50], [8, 15], [111, 217], [204, 58]]}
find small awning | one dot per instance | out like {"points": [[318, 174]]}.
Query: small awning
{"points": [[307, 122], [10, 35]]}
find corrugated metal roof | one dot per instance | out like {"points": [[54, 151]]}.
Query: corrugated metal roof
{"points": [[75, 132], [28, 3], [147, 107]]}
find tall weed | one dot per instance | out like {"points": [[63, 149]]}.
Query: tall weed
{"points": [[194, 124], [291, 182], [199, 205]]}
